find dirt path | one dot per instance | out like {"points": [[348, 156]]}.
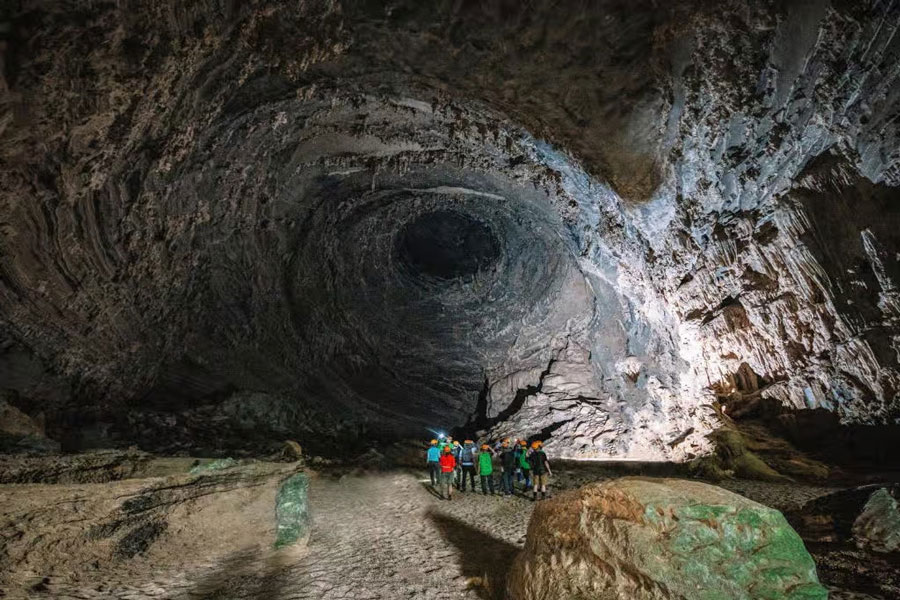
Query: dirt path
{"points": [[388, 536]]}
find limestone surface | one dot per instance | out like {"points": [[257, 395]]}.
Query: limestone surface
{"points": [[227, 223]]}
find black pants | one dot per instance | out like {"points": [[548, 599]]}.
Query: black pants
{"points": [[434, 471], [467, 470], [487, 481]]}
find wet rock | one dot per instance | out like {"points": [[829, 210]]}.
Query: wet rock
{"points": [[661, 539]]}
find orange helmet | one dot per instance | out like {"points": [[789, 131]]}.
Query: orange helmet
{"points": [[447, 450], [523, 443], [505, 443], [434, 442], [536, 444], [485, 447]]}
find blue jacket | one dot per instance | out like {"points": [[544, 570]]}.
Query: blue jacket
{"points": [[434, 454]]}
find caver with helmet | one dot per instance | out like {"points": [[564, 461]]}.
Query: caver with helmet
{"points": [[540, 469]]}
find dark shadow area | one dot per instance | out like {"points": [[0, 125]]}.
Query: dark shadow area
{"points": [[427, 486], [484, 558], [237, 576]]}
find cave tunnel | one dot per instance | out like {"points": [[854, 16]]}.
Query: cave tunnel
{"points": [[637, 232]]}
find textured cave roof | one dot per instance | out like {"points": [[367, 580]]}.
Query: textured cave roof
{"points": [[204, 209]]}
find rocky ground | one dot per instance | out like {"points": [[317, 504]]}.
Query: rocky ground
{"points": [[375, 535]]}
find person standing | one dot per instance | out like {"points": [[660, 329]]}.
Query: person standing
{"points": [[467, 465], [456, 449], [523, 464], [448, 467], [486, 469], [507, 467], [540, 469], [433, 461]]}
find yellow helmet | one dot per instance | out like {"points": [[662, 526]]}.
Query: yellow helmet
{"points": [[434, 442]]}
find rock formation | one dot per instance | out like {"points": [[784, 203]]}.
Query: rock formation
{"points": [[170, 525], [224, 223], [660, 539]]}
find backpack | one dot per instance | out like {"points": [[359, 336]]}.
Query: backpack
{"points": [[466, 456]]}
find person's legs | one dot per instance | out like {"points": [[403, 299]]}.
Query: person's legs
{"points": [[484, 484], [434, 472], [447, 485], [490, 479], [506, 482], [469, 470]]}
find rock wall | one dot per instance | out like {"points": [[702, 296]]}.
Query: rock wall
{"points": [[344, 220]]}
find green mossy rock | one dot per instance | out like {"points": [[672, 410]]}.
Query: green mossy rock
{"points": [[214, 465], [661, 539], [292, 511]]}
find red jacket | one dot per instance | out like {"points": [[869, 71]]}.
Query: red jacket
{"points": [[448, 463]]}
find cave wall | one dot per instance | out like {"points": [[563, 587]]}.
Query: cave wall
{"points": [[202, 204]]}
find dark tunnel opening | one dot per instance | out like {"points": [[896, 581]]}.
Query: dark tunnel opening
{"points": [[447, 244]]}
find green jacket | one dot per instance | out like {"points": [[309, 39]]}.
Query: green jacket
{"points": [[485, 463], [523, 461]]}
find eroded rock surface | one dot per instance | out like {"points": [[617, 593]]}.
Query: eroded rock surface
{"points": [[661, 539], [227, 223], [83, 535]]}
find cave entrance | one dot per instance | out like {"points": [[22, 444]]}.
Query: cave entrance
{"points": [[447, 244]]}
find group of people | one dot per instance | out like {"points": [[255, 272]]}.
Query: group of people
{"points": [[451, 464]]}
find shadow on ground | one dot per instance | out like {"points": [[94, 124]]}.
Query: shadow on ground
{"points": [[431, 490], [248, 574], [485, 559]]}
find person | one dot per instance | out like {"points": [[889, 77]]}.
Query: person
{"points": [[507, 467], [467, 465], [448, 467], [433, 460], [540, 469], [456, 449], [486, 469], [524, 465]]}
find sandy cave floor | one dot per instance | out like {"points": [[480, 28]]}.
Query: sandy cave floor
{"points": [[384, 535]]}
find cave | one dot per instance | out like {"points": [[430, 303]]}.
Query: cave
{"points": [[662, 239]]}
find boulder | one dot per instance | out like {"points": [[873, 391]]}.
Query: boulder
{"points": [[659, 539], [878, 526], [866, 517], [20, 434]]}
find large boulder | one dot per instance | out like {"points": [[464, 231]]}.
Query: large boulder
{"points": [[661, 539]]}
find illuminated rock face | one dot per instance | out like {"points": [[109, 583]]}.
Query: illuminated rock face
{"points": [[345, 221]]}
